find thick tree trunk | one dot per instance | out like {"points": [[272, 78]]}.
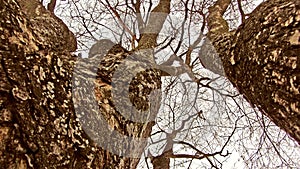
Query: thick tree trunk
{"points": [[38, 124], [262, 58]]}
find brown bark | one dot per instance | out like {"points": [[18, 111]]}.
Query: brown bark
{"points": [[162, 161], [38, 124], [156, 20], [51, 5], [261, 58]]}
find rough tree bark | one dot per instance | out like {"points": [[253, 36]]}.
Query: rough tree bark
{"points": [[262, 58], [38, 124]]}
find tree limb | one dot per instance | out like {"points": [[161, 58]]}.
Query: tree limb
{"points": [[51, 5], [156, 20]]}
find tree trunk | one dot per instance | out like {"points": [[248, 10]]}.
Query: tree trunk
{"points": [[39, 125], [261, 58]]}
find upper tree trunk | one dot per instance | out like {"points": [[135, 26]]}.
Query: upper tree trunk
{"points": [[262, 59]]}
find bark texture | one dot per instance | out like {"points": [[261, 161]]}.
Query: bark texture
{"points": [[38, 124], [262, 58]]}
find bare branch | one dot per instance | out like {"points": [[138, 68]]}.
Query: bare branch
{"points": [[121, 21], [51, 5], [243, 16]]}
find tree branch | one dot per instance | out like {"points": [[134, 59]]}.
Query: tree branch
{"points": [[51, 5], [217, 25], [121, 22], [156, 20], [243, 16]]}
